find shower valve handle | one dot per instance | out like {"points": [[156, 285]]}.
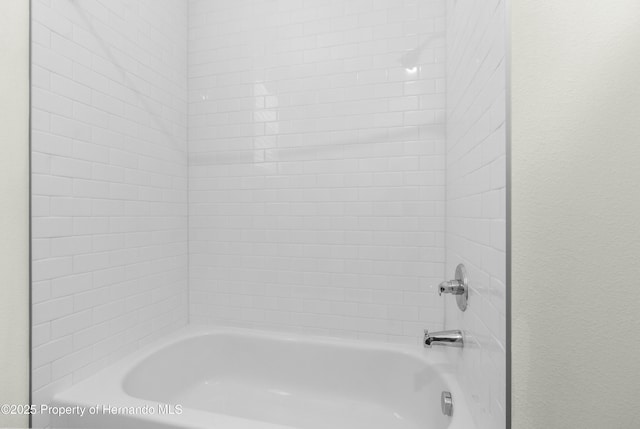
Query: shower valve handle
{"points": [[454, 287], [459, 287]]}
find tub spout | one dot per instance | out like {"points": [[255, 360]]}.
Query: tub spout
{"points": [[443, 338]]}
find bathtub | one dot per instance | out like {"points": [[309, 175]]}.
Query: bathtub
{"points": [[231, 378]]}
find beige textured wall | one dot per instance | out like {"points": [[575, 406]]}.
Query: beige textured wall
{"points": [[576, 213], [14, 207]]}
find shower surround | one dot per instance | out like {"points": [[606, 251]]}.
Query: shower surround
{"points": [[271, 164], [316, 165]]}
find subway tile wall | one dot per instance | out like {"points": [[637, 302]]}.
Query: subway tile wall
{"points": [[316, 180], [317, 156], [476, 202], [110, 180]]}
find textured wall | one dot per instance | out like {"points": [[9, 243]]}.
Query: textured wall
{"points": [[14, 208], [575, 211], [316, 135], [109, 183], [476, 209]]}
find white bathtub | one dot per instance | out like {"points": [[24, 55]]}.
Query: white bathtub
{"points": [[232, 378]]}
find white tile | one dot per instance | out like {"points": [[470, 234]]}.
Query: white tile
{"points": [[51, 351], [70, 324], [84, 108], [342, 147], [475, 182]]}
